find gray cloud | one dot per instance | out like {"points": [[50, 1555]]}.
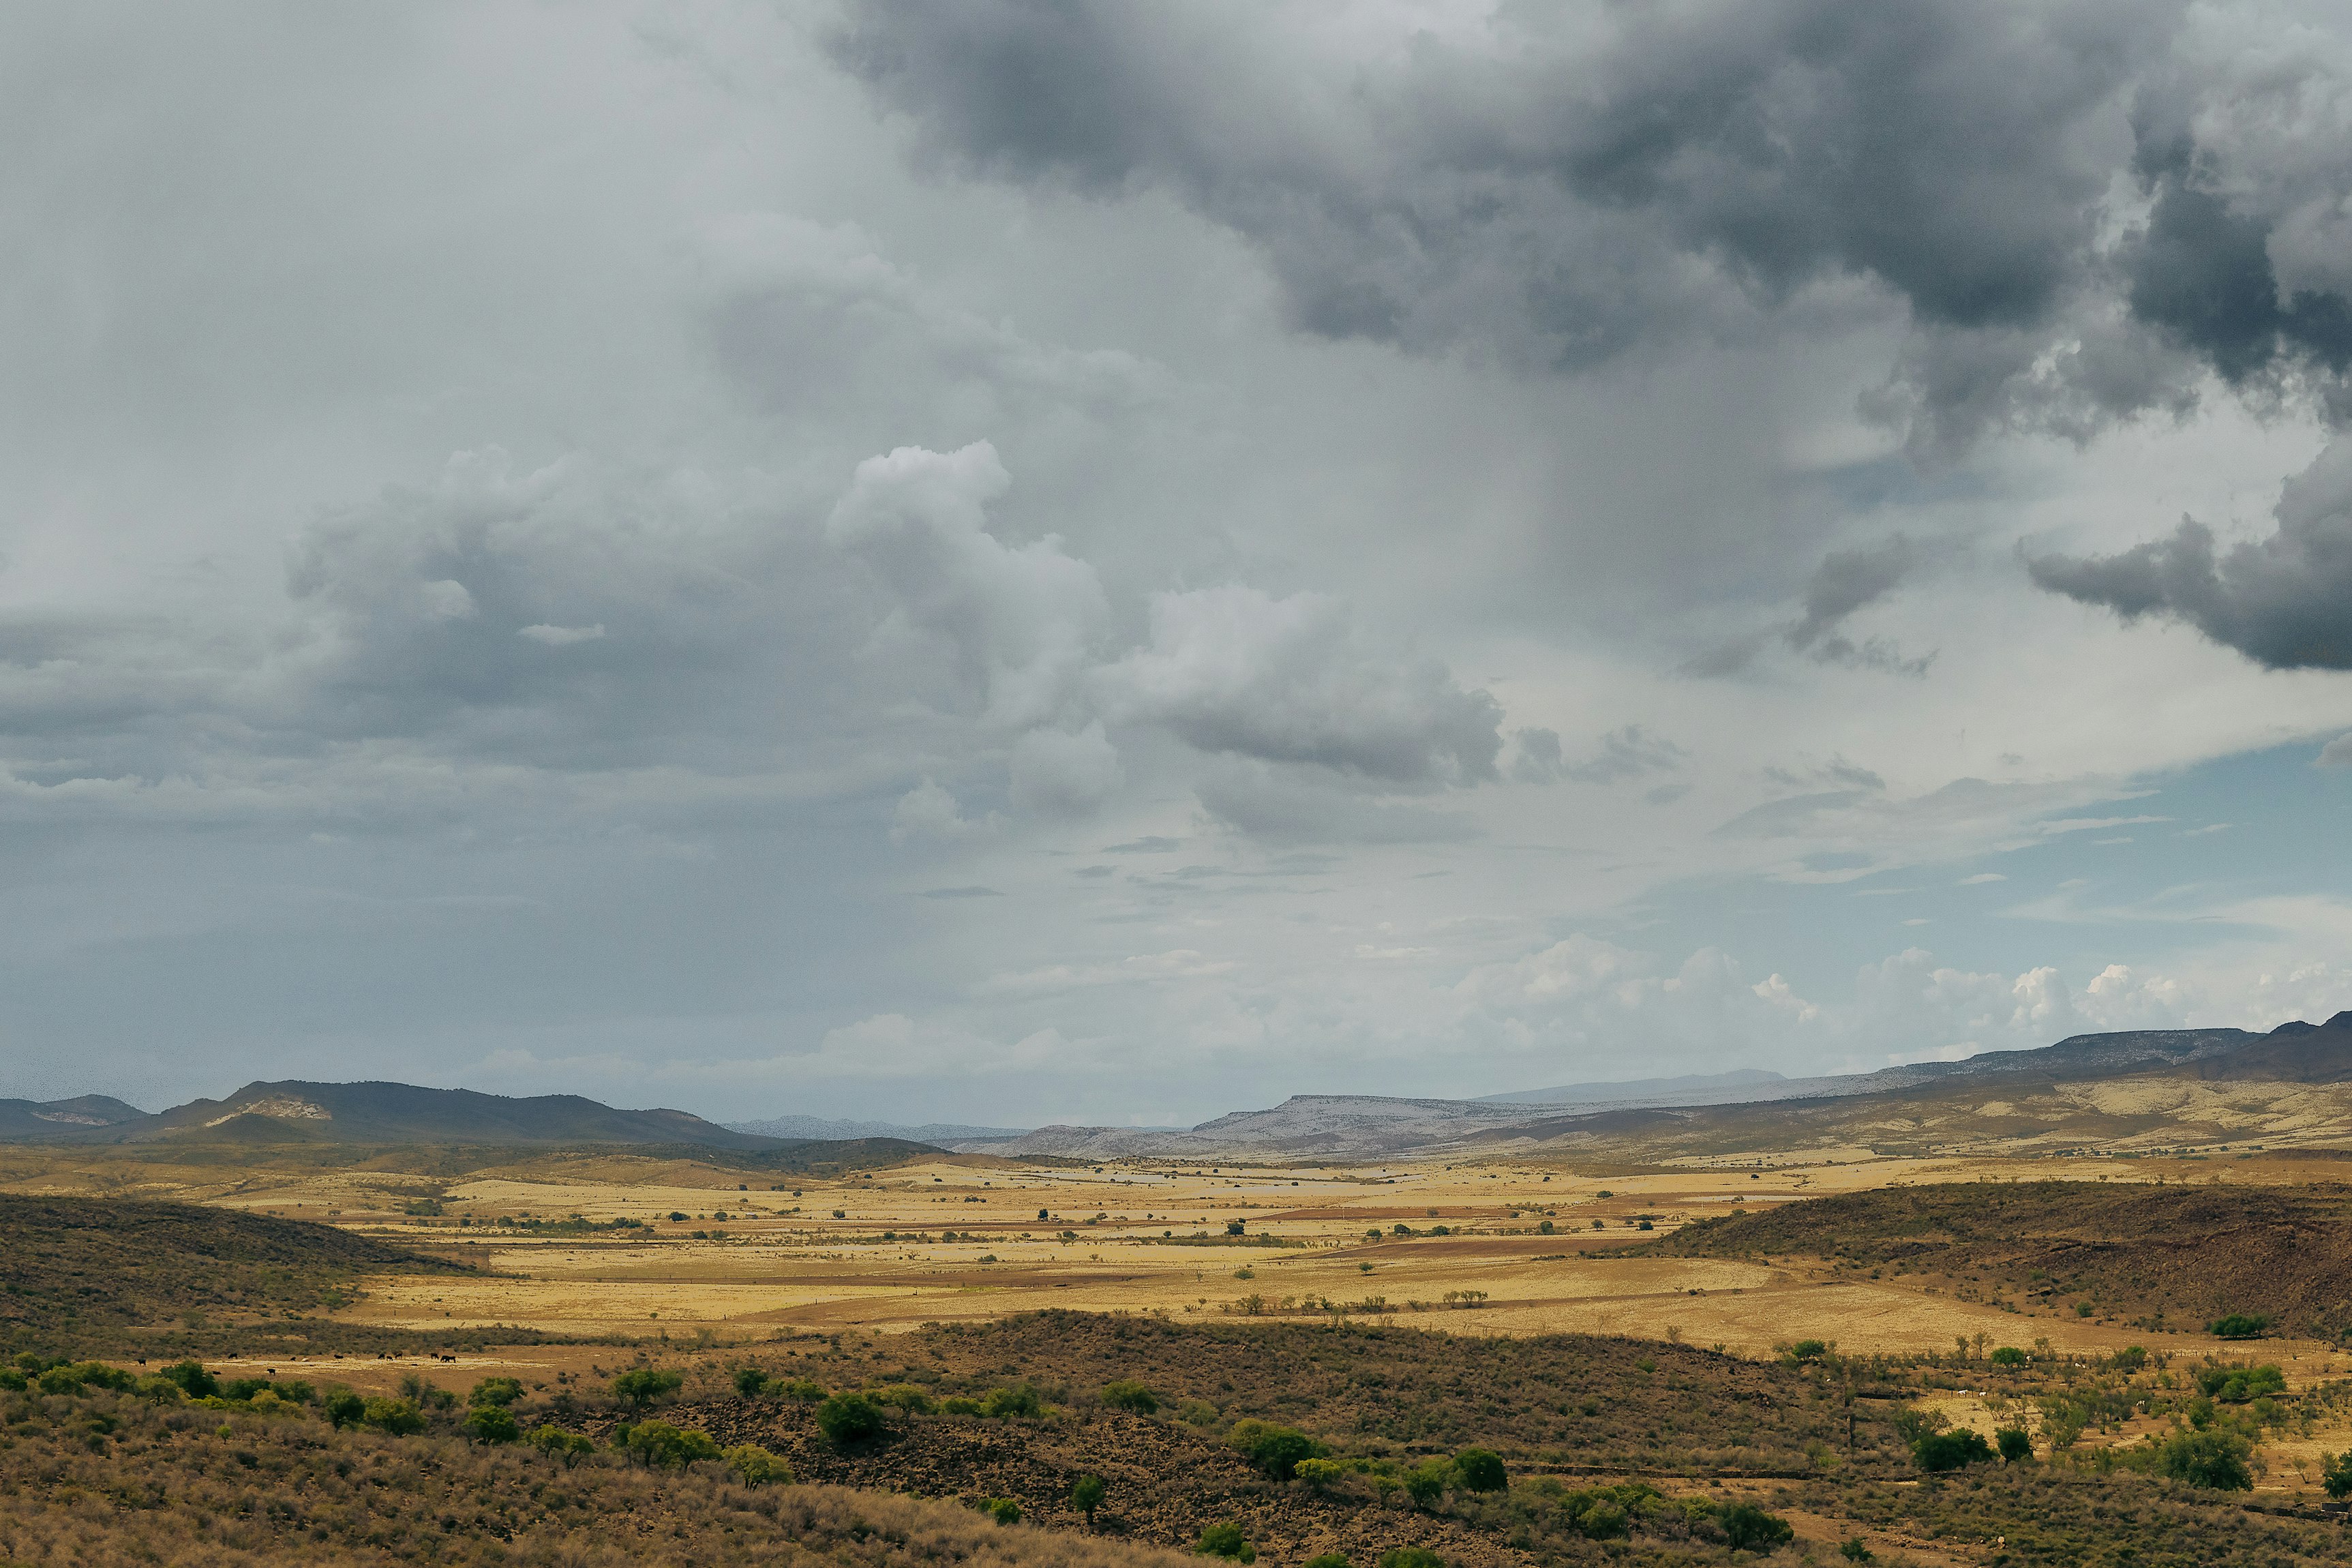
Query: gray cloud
{"points": [[1288, 806], [1555, 191], [1236, 671], [2284, 601]]}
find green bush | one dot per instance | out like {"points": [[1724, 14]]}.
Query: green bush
{"points": [[805, 1390], [1481, 1470], [154, 1390], [2237, 1385], [1086, 1495], [1275, 1449], [1317, 1474], [658, 1444], [1226, 1539], [1001, 1403], [1128, 1395], [751, 1381], [2209, 1459], [558, 1444], [756, 1467], [847, 1419], [2336, 1473], [1604, 1521], [1939, 1451], [1328, 1560], [1426, 1482], [498, 1390], [194, 1380], [2238, 1326], [343, 1408], [957, 1404], [490, 1424], [904, 1396], [1747, 1527], [2013, 1444], [396, 1417], [1411, 1557], [640, 1387], [1003, 1510], [2010, 1355]]}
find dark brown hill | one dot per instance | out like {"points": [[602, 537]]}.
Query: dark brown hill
{"points": [[74, 1268], [2183, 1256]]}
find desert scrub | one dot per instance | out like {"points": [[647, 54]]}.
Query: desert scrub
{"points": [[158, 1487]]}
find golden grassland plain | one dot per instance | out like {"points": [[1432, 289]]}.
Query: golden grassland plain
{"points": [[962, 1237]]}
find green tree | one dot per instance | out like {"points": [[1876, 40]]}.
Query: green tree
{"points": [[2336, 1473], [1481, 1470], [490, 1424], [640, 1387], [751, 1381], [2211, 1458], [396, 1417], [194, 1380], [1854, 1548], [1939, 1451], [756, 1467], [1328, 1560], [343, 1408], [660, 1444], [2010, 1355], [498, 1390], [2239, 1326], [1747, 1527], [1426, 1482], [1411, 1557], [1125, 1394], [1003, 1510], [558, 1444], [1001, 1403], [1086, 1495], [848, 1419], [1275, 1449], [1224, 1538]]}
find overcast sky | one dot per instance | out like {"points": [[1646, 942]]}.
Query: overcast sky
{"points": [[1011, 563]]}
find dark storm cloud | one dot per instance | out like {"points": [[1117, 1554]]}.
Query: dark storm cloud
{"points": [[2285, 601], [1562, 195]]}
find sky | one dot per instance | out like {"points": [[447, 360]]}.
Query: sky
{"points": [[1009, 563]]}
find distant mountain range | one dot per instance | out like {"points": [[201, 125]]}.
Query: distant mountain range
{"points": [[1307, 1126], [821, 1127], [1359, 1127], [298, 1112]]}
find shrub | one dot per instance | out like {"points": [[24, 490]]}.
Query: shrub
{"points": [[1275, 1449], [1198, 1413], [2010, 1355], [757, 1467], [1747, 1527], [490, 1424], [558, 1444], [154, 1390], [396, 1417], [2013, 1444], [2336, 1473], [1481, 1470], [343, 1408], [1604, 1521], [1226, 1539], [1411, 1557], [640, 1387], [1809, 1349], [2239, 1326], [751, 1381], [1426, 1481], [847, 1419], [2237, 1385], [1003, 1401], [498, 1391], [905, 1396], [1328, 1560], [659, 1443], [2210, 1458], [1235, 1227], [1317, 1474], [1128, 1395], [957, 1404], [194, 1380], [1937, 1451], [800, 1388], [1086, 1495], [1003, 1510], [1854, 1548]]}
